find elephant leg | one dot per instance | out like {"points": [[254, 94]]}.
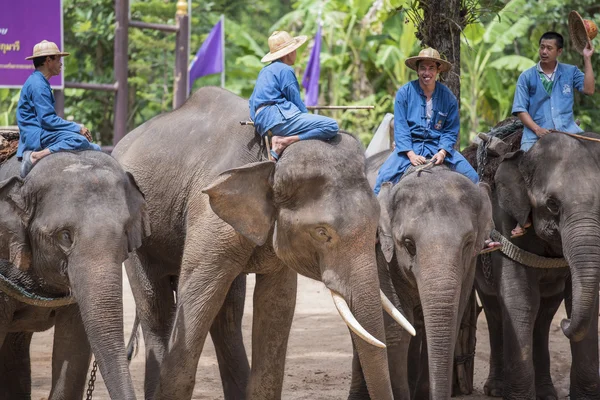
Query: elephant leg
{"points": [[155, 308], [520, 299], [541, 356], [226, 334], [422, 388], [71, 355], [15, 367], [494, 384], [414, 350], [211, 261], [274, 304], [585, 381]]}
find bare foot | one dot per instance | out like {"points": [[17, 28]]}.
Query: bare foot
{"points": [[38, 155], [490, 246], [520, 230], [278, 144]]}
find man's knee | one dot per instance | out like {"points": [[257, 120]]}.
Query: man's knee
{"points": [[331, 129]]}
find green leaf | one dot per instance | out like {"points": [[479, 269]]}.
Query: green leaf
{"points": [[512, 62]]}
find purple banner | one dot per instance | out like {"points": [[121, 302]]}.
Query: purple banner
{"points": [[23, 23]]}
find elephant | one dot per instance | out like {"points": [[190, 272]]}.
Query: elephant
{"points": [[433, 224], [65, 230], [555, 186], [217, 210]]}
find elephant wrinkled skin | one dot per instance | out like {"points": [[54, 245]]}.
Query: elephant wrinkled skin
{"points": [[216, 212], [556, 184], [67, 228], [433, 224]]}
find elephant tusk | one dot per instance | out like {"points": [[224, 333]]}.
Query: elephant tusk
{"points": [[352, 323], [396, 315]]}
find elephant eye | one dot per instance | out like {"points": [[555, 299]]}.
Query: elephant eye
{"points": [[321, 234], [553, 205], [64, 238], [410, 247]]}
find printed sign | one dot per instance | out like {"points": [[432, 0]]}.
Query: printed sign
{"points": [[23, 23]]}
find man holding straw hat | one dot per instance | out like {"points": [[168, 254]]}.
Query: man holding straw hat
{"points": [[41, 131], [275, 104], [544, 93]]}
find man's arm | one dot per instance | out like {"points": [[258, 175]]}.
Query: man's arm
{"points": [[521, 106], [402, 136], [46, 114], [449, 133], [291, 90], [589, 82]]}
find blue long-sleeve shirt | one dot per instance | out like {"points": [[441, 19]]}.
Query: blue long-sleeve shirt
{"points": [[36, 115], [277, 90], [410, 119]]}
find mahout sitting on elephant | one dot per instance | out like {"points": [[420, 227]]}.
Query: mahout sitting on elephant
{"points": [[555, 183], [432, 225], [64, 232], [217, 211]]}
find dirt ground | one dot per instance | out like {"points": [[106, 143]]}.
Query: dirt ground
{"points": [[318, 359]]}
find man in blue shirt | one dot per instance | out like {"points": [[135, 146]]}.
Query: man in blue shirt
{"points": [[275, 104], [544, 94], [42, 131], [426, 122]]}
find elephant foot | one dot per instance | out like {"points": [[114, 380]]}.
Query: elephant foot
{"points": [[546, 392], [493, 387]]}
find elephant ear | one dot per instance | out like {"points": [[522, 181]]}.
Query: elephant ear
{"points": [[139, 224], [386, 241], [511, 188], [14, 220], [486, 223], [243, 197]]}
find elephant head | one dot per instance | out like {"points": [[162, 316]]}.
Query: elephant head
{"points": [[317, 206], [556, 184], [69, 225], [435, 225]]}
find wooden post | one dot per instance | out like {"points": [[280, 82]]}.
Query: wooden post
{"points": [[120, 66], [59, 105], [180, 87]]}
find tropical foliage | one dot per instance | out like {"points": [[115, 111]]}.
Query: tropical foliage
{"points": [[362, 59]]}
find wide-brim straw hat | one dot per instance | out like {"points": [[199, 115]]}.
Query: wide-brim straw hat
{"points": [[581, 31], [282, 43], [46, 48], [428, 54]]}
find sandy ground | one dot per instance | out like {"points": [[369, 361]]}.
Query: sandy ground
{"points": [[319, 353]]}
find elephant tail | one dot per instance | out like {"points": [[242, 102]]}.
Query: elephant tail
{"points": [[132, 345]]}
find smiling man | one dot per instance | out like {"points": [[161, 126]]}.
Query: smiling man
{"points": [[426, 122], [41, 131]]}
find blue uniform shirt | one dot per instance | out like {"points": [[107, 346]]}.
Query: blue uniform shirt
{"points": [[278, 91], [549, 111], [412, 131], [36, 116]]}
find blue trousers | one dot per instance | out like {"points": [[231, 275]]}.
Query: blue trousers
{"points": [[307, 126], [397, 163], [66, 141]]}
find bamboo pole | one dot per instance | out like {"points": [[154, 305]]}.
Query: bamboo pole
{"points": [[340, 107]]}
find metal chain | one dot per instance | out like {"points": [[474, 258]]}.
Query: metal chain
{"points": [[91, 382]]}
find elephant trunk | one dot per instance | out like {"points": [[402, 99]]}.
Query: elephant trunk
{"points": [[97, 287], [361, 293], [440, 293], [580, 237]]}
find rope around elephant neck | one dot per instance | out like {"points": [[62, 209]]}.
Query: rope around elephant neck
{"points": [[526, 258], [23, 295]]}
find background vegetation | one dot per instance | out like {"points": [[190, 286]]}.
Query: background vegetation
{"points": [[362, 59]]}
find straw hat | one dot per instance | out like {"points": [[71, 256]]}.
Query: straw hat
{"points": [[428, 54], [282, 43], [46, 48], [581, 31]]}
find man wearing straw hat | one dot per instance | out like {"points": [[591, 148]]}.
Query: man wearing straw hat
{"points": [[544, 94], [275, 104], [41, 131], [426, 122]]}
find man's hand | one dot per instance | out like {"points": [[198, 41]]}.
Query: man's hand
{"points": [[588, 50], [85, 132], [439, 157], [415, 159], [539, 131]]}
